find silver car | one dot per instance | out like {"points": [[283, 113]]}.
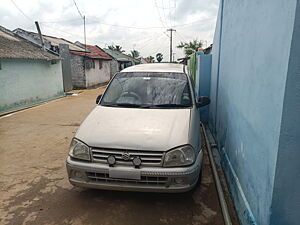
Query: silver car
{"points": [[143, 135]]}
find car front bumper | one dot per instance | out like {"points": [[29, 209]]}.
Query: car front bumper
{"points": [[151, 179]]}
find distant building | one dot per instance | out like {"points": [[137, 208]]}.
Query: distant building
{"points": [[120, 60], [80, 69], [144, 60], [90, 69], [56, 45], [29, 75], [208, 50]]}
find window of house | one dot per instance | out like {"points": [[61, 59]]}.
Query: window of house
{"points": [[100, 64]]}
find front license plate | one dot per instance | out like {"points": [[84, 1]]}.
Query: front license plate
{"points": [[133, 174]]}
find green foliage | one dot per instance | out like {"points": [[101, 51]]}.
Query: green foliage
{"points": [[135, 54], [116, 48], [159, 57], [150, 59], [190, 47]]}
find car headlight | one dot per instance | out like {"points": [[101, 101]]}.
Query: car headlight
{"points": [[181, 156], [79, 150]]}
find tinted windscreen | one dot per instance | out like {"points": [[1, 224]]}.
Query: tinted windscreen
{"points": [[148, 90]]}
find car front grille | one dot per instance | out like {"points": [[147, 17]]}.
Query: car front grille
{"points": [[149, 158], [145, 180]]}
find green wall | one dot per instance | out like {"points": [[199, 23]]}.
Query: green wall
{"points": [[24, 83]]}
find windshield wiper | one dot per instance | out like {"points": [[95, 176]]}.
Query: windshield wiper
{"points": [[170, 106], [125, 105]]}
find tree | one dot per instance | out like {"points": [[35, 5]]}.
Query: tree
{"points": [[190, 47], [116, 48], [159, 57], [135, 54], [150, 59]]}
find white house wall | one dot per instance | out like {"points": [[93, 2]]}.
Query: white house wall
{"points": [[96, 76]]}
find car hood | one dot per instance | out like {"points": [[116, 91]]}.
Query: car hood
{"points": [[135, 128]]}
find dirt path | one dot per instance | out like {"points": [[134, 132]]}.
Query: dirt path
{"points": [[33, 182]]}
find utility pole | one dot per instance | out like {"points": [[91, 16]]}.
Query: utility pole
{"points": [[171, 36], [84, 33], [40, 34]]}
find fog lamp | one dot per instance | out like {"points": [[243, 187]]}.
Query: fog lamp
{"points": [[137, 162], [78, 174], [111, 160], [179, 180]]}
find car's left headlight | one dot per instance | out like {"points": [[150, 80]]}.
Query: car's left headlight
{"points": [[79, 150], [181, 156]]}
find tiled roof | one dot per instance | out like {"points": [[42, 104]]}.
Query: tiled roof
{"points": [[95, 52], [13, 47], [119, 56], [53, 40]]}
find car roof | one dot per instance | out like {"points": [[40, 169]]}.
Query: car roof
{"points": [[157, 67]]}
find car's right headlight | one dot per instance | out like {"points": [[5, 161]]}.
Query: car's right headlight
{"points": [[79, 150], [181, 156]]}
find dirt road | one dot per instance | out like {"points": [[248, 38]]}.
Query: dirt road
{"points": [[33, 181]]}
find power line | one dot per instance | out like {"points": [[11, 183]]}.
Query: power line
{"points": [[164, 13], [159, 16], [61, 21], [123, 26], [77, 9], [20, 10]]}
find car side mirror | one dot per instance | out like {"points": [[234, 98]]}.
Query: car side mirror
{"points": [[203, 101], [98, 99]]}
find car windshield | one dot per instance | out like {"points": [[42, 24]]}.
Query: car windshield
{"points": [[148, 90]]}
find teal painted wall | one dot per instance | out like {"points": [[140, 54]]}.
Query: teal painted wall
{"points": [[286, 195], [27, 82], [250, 65]]}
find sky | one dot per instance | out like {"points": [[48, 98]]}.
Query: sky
{"points": [[134, 24]]}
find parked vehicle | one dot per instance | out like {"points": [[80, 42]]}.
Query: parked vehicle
{"points": [[143, 135]]}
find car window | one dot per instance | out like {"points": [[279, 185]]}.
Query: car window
{"points": [[148, 90]]}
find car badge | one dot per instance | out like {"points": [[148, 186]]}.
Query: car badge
{"points": [[126, 156]]}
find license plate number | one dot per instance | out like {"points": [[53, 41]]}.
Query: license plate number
{"points": [[133, 174]]}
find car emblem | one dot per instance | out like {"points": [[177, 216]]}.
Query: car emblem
{"points": [[126, 156]]}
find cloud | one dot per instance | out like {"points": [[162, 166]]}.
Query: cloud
{"points": [[201, 8], [61, 19]]}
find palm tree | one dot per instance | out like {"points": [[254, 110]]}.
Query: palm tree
{"points": [[135, 54], [190, 47], [116, 48], [150, 59], [159, 57]]}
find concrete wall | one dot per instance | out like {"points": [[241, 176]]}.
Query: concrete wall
{"points": [[248, 91], [27, 82], [286, 196], [114, 67], [66, 66], [98, 75], [77, 72]]}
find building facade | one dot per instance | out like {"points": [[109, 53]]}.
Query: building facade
{"points": [[28, 74]]}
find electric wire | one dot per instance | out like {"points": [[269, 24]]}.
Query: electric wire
{"points": [[20, 10], [77, 9]]}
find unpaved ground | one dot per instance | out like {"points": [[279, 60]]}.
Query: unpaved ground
{"points": [[33, 182]]}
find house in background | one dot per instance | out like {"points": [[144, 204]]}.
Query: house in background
{"points": [[144, 60], [28, 74], [120, 60], [91, 68], [56, 45], [80, 69]]}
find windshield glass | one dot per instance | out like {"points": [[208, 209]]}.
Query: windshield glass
{"points": [[144, 89]]}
